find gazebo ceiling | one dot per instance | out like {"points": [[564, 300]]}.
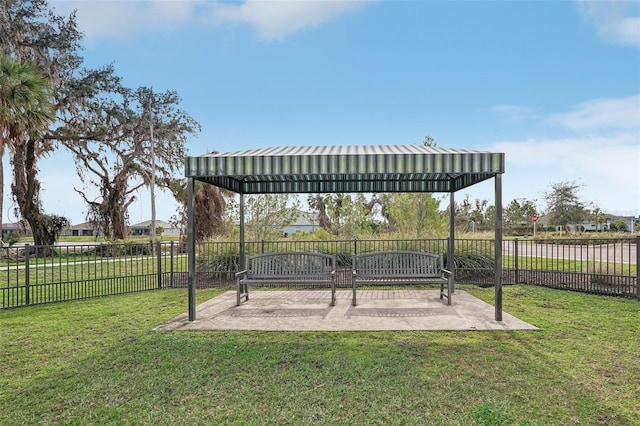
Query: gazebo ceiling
{"points": [[332, 169]]}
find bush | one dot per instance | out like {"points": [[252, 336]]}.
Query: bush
{"points": [[132, 248], [619, 225], [105, 250], [472, 264], [219, 265], [129, 248], [12, 238], [343, 259]]}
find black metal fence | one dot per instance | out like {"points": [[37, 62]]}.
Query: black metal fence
{"points": [[602, 266], [81, 271]]}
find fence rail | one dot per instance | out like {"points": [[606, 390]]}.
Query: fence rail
{"points": [[81, 271]]}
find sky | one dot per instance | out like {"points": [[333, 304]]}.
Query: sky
{"points": [[555, 85]]}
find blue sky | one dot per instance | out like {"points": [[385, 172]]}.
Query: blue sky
{"points": [[555, 85]]}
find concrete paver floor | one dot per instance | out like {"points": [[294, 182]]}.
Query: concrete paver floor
{"points": [[377, 310]]}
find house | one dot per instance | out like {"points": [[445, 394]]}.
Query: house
{"points": [[584, 227], [16, 228], [86, 229], [306, 222], [143, 228]]}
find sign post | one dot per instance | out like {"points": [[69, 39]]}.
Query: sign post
{"points": [[534, 219]]}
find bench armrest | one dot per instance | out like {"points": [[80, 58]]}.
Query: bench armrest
{"points": [[240, 273], [446, 271]]}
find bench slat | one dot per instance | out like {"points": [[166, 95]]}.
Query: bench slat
{"points": [[400, 267], [287, 268]]}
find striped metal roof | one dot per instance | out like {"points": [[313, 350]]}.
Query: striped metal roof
{"points": [[354, 168]]}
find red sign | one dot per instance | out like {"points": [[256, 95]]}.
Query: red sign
{"points": [[534, 218]]}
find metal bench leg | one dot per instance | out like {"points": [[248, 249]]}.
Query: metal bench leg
{"points": [[333, 293], [447, 294], [242, 291]]}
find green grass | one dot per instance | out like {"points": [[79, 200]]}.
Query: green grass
{"points": [[82, 270], [569, 265], [90, 239], [98, 362], [54, 282]]}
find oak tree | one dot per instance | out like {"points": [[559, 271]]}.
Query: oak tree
{"points": [[30, 33]]}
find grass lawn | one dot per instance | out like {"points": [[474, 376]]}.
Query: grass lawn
{"points": [[98, 362]]}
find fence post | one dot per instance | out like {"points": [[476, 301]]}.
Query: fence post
{"points": [[638, 267], [262, 247], [171, 265], [159, 264], [355, 246], [515, 261], [27, 297]]}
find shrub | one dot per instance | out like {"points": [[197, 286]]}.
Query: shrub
{"points": [[129, 248], [106, 250], [12, 238], [344, 259], [472, 263], [219, 265], [132, 248]]}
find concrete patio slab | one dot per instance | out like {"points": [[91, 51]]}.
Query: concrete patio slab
{"points": [[377, 310]]}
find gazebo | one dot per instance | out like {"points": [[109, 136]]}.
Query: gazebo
{"points": [[347, 169]]}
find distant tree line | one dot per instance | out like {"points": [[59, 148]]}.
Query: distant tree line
{"points": [[410, 215]]}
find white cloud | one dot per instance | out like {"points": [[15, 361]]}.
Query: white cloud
{"points": [[615, 21], [275, 20], [601, 114], [602, 155], [119, 20], [272, 20], [614, 158], [605, 167]]}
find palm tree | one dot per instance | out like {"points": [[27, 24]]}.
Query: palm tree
{"points": [[24, 108], [209, 204]]}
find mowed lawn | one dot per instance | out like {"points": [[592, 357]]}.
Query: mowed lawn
{"points": [[99, 362]]}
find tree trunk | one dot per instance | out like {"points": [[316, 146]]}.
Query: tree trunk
{"points": [[26, 189], [1, 187], [118, 224], [152, 189], [114, 199]]}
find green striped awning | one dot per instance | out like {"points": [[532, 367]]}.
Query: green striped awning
{"points": [[334, 169]]}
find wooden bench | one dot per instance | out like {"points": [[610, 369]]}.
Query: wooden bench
{"points": [[400, 267], [285, 269]]}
